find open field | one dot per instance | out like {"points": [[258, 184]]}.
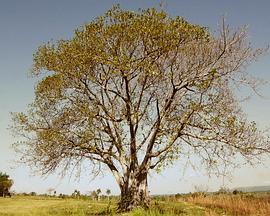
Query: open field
{"points": [[38, 206], [239, 204], [32, 206], [199, 205]]}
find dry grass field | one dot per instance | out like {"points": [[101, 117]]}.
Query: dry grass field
{"points": [[255, 204]]}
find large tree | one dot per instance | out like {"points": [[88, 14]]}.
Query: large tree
{"points": [[134, 91]]}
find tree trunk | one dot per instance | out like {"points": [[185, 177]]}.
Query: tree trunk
{"points": [[134, 193]]}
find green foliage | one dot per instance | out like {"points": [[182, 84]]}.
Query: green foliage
{"points": [[5, 184], [108, 192], [98, 191]]}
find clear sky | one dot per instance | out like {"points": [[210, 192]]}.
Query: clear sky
{"points": [[24, 25]]}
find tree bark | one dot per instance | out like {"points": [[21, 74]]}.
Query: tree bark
{"points": [[134, 194]]}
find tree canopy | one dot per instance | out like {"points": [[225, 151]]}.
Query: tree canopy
{"points": [[135, 91]]}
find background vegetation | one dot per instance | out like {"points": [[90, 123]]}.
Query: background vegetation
{"points": [[223, 202]]}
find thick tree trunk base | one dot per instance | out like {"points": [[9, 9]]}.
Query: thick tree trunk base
{"points": [[133, 196], [129, 202]]}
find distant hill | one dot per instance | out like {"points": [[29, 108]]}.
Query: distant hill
{"points": [[254, 188]]}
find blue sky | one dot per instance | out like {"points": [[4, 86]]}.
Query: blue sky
{"points": [[24, 25]]}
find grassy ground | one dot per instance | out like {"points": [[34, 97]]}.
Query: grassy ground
{"points": [[255, 204], [38, 206], [190, 205]]}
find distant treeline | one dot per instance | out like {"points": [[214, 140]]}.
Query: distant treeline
{"points": [[68, 196]]}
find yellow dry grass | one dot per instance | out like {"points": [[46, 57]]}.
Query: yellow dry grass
{"points": [[255, 205]]}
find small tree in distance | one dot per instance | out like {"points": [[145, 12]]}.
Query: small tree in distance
{"points": [[133, 92], [94, 195], [50, 191], [76, 194], [108, 192], [5, 184], [98, 192], [32, 193]]}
